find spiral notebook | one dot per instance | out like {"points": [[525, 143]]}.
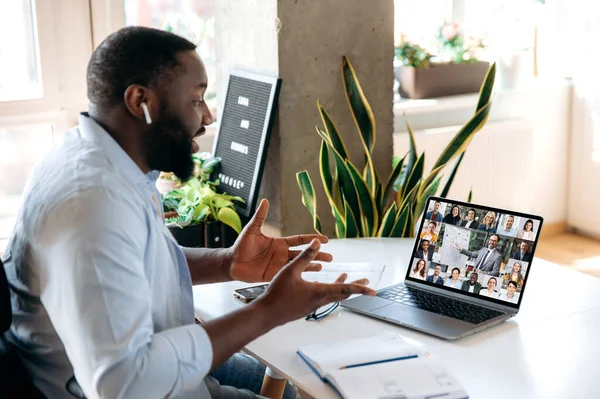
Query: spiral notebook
{"points": [[384, 366]]}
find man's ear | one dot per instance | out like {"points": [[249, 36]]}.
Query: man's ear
{"points": [[134, 97]]}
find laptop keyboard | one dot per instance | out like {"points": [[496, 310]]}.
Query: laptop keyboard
{"points": [[439, 304]]}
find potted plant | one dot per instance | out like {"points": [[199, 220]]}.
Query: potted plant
{"points": [[359, 200], [195, 213], [456, 71]]}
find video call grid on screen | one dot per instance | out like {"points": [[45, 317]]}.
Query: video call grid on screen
{"points": [[447, 226]]}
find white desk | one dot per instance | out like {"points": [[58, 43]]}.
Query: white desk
{"points": [[549, 350]]}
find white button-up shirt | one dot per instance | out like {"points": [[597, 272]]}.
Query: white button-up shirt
{"points": [[99, 287]]}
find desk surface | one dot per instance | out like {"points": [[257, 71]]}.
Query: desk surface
{"points": [[549, 350]]}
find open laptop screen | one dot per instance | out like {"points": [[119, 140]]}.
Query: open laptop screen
{"points": [[477, 250]]}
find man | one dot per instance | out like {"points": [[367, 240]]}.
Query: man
{"points": [[523, 253], [435, 214], [424, 252], [100, 289], [472, 285], [435, 277], [508, 229], [469, 222], [509, 295], [488, 259]]}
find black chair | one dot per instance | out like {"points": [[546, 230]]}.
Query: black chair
{"points": [[15, 381]]}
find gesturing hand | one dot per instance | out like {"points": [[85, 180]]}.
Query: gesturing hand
{"points": [[258, 257], [289, 297]]}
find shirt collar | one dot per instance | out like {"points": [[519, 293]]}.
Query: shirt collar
{"points": [[92, 131]]}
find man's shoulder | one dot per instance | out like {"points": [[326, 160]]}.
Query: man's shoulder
{"points": [[70, 170]]}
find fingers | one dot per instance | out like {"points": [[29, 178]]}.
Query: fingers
{"points": [[321, 256], [304, 260], [302, 239], [313, 267], [345, 290], [257, 221], [344, 276]]}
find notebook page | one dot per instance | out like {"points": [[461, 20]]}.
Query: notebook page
{"points": [[414, 378], [352, 352]]}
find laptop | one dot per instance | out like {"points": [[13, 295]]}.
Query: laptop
{"points": [[467, 272]]}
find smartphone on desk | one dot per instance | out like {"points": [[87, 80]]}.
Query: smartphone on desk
{"points": [[249, 294]]}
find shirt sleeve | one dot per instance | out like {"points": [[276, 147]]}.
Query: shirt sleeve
{"points": [[93, 286]]}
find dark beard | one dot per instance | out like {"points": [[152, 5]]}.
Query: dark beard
{"points": [[169, 148]]}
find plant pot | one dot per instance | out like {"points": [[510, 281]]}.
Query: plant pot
{"points": [[190, 236], [441, 79], [209, 235]]}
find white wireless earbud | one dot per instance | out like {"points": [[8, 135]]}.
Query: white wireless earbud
{"points": [[146, 113]]}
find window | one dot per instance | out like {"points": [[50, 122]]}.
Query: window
{"points": [[193, 19], [19, 59], [42, 87], [420, 20]]}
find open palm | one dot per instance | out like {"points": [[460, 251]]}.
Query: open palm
{"points": [[258, 257]]}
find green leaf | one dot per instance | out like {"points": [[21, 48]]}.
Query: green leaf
{"points": [[363, 117], [470, 197], [201, 211], [340, 225], [409, 198], [220, 202], [462, 139], [308, 197], [379, 199], [387, 223], [412, 158], [348, 190], [367, 203], [352, 230], [323, 135], [334, 136], [393, 176], [416, 175], [230, 217], [430, 190], [327, 178], [448, 184], [487, 87], [401, 222], [432, 175], [361, 109]]}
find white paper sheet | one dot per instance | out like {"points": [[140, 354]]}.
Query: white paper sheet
{"points": [[355, 270]]}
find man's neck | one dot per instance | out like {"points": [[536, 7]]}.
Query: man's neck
{"points": [[122, 130]]}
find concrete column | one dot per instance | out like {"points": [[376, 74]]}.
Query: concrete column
{"points": [[302, 42]]}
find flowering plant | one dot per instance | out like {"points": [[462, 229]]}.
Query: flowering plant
{"points": [[411, 54], [451, 39]]}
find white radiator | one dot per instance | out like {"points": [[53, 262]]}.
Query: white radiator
{"points": [[498, 164]]}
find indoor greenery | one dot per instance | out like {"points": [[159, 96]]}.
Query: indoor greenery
{"points": [[196, 201], [451, 39], [413, 55], [359, 200]]}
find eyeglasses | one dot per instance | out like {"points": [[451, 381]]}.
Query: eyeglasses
{"points": [[322, 312]]}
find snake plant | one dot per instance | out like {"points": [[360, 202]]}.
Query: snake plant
{"points": [[361, 204]]}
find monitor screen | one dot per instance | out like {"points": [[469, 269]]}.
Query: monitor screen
{"points": [[477, 250]]}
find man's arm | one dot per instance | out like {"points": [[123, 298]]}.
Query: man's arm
{"points": [[470, 254], [208, 265], [289, 297], [95, 290], [496, 270]]}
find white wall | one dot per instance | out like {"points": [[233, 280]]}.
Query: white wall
{"points": [[519, 160]]}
